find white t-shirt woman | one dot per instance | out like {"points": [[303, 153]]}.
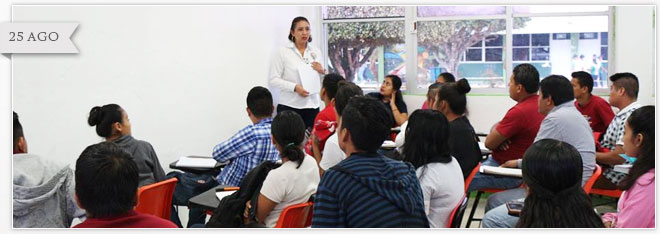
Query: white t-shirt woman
{"points": [[443, 187]]}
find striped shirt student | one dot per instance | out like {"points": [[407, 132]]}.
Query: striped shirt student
{"points": [[368, 190], [245, 150]]}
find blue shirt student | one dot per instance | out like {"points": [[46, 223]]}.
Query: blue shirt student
{"points": [[245, 150]]}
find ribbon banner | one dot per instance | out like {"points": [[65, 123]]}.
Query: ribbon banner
{"points": [[46, 38]]}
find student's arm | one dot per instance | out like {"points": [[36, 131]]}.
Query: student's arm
{"points": [[399, 117], [239, 145], [494, 139], [264, 207], [399, 110], [317, 153], [327, 213], [611, 158]]}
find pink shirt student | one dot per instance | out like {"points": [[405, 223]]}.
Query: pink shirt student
{"points": [[636, 206]]}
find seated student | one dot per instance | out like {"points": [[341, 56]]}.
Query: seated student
{"points": [[106, 187], [636, 205], [326, 121], [439, 173], [598, 112], [562, 122], [390, 96], [463, 142], [112, 123], [293, 182], [443, 78], [332, 154], [509, 138], [430, 98], [245, 150], [43, 195], [367, 189], [623, 95], [251, 145], [556, 198]]}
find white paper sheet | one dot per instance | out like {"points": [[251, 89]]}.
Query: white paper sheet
{"points": [[623, 168], [309, 78], [388, 144], [200, 162], [513, 172], [222, 194]]}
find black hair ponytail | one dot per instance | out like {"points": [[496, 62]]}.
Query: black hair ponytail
{"points": [[288, 130], [104, 117], [463, 86]]}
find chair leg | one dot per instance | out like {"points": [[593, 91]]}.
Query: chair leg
{"points": [[474, 208]]}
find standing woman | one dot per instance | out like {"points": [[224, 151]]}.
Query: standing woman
{"points": [[284, 72], [112, 123], [390, 96]]}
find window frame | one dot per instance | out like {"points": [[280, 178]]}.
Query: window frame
{"points": [[410, 20]]}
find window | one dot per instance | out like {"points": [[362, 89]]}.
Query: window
{"points": [[365, 51], [365, 43]]}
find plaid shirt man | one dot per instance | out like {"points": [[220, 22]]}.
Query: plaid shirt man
{"points": [[245, 150], [614, 136]]}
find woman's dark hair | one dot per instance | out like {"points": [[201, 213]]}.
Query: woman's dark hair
{"points": [[106, 180], [104, 117], [288, 130], [454, 94], [293, 27], [641, 121], [552, 170], [427, 138], [448, 77], [396, 86]]}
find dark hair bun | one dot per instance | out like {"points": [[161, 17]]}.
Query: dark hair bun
{"points": [[463, 86], [94, 116]]}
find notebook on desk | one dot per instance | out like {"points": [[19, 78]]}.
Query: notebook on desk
{"points": [[513, 172], [196, 162]]}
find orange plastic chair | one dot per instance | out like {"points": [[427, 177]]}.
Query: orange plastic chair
{"points": [[296, 216], [590, 183], [156, 198], [615, 193], [468, 180], [457, 213]]}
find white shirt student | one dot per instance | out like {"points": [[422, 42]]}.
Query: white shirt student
{"points": [[288, 185], [332, 154]]}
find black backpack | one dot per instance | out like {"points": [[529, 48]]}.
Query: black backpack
{"points": [[229, 213]]}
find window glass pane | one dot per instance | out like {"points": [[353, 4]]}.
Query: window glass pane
{"points": [[540, 53], [361, 12], [558, 9], [477, 45], [474, 55], [520, 39], [434, 11], [495, 40], [561, 36], [563, 57], [364, 52], [541, 39], [588, 36], [603, 52], [603, 38], [493, 54], [447, 41], [520, 54]]}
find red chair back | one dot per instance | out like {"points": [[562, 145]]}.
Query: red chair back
{"points": [[590, 183], [457, 213], [156, 198], [616, 193], [468, 180], [296, 216]]}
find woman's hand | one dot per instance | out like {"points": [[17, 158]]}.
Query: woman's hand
{"points": [[302, 92], [608, 224], [318, 67], [393, 100]]}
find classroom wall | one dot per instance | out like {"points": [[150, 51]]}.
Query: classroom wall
{"points": [[181, 72]]}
